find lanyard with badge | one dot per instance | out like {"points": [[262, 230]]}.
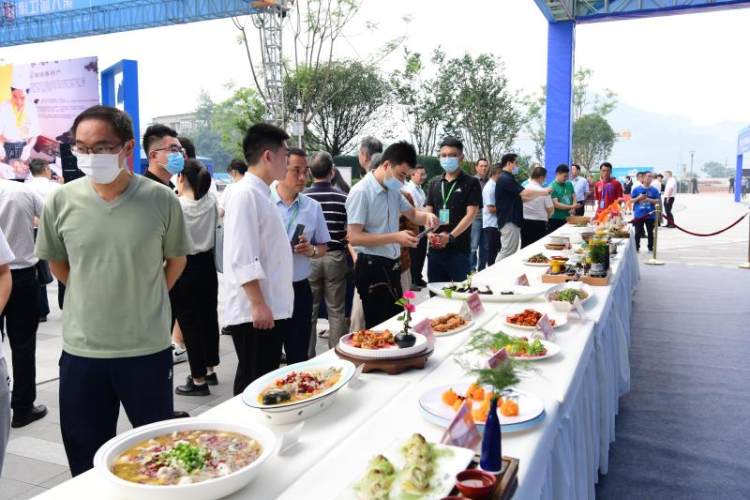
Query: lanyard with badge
{"points": [[445, 214]]}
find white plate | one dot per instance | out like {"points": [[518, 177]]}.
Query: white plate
{"points": [[563, 306], [552, 350], [560, 320], [213, 488], [450, 461], [431, 402], [466, 326], [520, 293], [251, 392], [536, 264], [345, 344]]}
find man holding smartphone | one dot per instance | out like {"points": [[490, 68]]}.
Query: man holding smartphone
{"points": [[308, 234]]}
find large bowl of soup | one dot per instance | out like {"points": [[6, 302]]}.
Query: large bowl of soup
{"points": [[185, 459]]}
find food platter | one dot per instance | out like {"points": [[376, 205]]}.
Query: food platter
{"points": [[432, 407], [552, 350], [565, 306], [517, 293], [394, 352], [560, 320], [528, 262], [448, 461], [218, 487], [468, 324]]}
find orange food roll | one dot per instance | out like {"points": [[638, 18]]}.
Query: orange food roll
{"points": [[450, 397], [457, 404], [478, 393], [509, 408]]}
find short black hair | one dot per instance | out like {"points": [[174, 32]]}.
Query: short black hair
{"points": [[508, 158], [400, 152], [452, 142], [538, 172], [297, 152], [261, 137], [238, 166], [661, 176], [37, 166], [481, 159], [606, 164], [197, 176], [119, 120], [575, 165], [188, 146], [371, 146], [154, 133], [419, 166], [562, 169], [321, 165]]}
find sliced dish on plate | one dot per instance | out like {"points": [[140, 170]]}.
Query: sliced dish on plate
{"points": [[539, 259], [528, 319], [449, 324]]}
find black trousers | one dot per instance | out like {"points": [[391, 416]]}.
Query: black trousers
{"points": [[649, 233], [668, 204], [556, 224], [194, 298], [417, 259], [258, 351], [492, 239], [580, 210], [378, 281], [297, 339], [21, 317], [532, 230], [91, 390]]}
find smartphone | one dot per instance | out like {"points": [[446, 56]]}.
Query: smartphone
{"points": [[297, 233], [425, 233]]}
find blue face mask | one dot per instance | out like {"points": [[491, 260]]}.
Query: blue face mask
{"points": [[449, 164], [175, 163], [393, 184]]}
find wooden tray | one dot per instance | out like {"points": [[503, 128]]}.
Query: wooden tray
{"points": [[564, 278], [389, 366], [507, 480]]}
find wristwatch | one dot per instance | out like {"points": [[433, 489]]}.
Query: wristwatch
{"points": [[451, 238]]}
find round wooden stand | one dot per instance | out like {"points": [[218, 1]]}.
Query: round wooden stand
{"points": [[392, 366]]}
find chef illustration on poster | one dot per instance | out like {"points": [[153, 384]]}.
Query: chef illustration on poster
{"points": [[19, 123]]}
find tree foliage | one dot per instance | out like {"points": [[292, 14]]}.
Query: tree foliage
{"points": [[593, 139], [715, 170]]}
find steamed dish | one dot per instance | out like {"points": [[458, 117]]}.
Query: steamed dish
{"points": [[298, 386]]}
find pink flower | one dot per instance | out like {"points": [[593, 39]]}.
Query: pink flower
{"points": [[410, 307], [409, 295]]}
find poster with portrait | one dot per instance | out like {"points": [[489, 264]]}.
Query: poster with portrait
{"points": [[38, 102]]}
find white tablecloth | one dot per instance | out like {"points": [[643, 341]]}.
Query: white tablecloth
{"points": [[559, 459]]}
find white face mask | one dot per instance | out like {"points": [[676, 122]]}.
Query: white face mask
{"points": [[102, 168]]}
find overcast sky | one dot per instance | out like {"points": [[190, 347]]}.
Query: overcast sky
{"points": [[692, 66]]}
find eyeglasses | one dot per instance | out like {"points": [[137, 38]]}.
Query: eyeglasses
{"points": [[99, 149], [171, 149]]}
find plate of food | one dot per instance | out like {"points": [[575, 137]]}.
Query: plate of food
{"points": [[379, 345], [517, 410], [495, 293], [528, 318], [185, 458], [562, 297], [410, 468], [295, 392], [450, 323], [538, 260]]}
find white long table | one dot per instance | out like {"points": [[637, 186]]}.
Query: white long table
{"points": [[559, 459]]}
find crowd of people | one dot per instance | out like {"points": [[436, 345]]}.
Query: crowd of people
{"points": [[137, 257]]}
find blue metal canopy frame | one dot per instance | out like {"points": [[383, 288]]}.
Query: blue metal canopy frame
{"points": [[125, 97], [743, 147]]}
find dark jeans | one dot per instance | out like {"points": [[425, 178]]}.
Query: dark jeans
{"points": [[649, 233], [492, 239], [297, 340], [258, 351], [555, 224], [532, 231], [378, 281], [21, 316], [447, 265], [417, 260], [668, 204], [194, 297], [478, 245], [580, 210], [91, 390]]}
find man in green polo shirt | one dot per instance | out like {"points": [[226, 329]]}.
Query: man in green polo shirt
{"points": [[107, 237], [563, 197]]}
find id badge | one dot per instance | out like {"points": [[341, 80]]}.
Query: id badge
{"points": [[444, 215]]}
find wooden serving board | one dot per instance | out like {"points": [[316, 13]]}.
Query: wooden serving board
{"points": [[507, 480], [389, 366], [564, 278]]}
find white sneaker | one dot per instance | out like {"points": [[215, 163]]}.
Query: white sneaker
{"points": [[179, 354]]}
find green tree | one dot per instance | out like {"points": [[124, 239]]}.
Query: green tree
{"points": [[593, 139], [716, 170]]}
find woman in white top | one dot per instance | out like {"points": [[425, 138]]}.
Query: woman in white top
{"points": [[536, 212], [195, 295]]}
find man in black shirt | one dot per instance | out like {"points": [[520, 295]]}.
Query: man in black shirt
{"points": [[509, 198], [455, 198], [164, 152]]}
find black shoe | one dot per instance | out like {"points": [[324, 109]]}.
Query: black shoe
{"points": [[180, 414], [421, 283], [25, 418], [212, 379], [43, 319], [192, 389], [283, 358], [415, 288]]}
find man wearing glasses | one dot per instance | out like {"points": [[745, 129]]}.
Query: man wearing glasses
{"points": [[165, 154], [297, 209], [118, 242]]}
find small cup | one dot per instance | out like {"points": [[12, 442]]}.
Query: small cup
{"points": [[474, 483]]}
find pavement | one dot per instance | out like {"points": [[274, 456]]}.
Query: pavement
{"points": [[35, 459]]}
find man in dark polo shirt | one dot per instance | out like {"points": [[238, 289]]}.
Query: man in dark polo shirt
{"points": [[509, 198], [164, 152], [455, 198]]}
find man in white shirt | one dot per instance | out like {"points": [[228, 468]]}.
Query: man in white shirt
{"points": [[257, 259], [670, 190], [19, 205], [580, 187], [414, 188], [6, 257], [489, 216], [41, 178], [536, 211]]}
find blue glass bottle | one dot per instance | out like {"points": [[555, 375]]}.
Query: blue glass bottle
{"points": [[491, 459]]}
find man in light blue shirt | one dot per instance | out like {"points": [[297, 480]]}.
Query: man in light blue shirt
{"points": [[298, 209], [580, 187], [373, 209], [489, 216]]}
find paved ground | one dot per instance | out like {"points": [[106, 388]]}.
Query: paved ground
{"points": [[36, 459]]}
